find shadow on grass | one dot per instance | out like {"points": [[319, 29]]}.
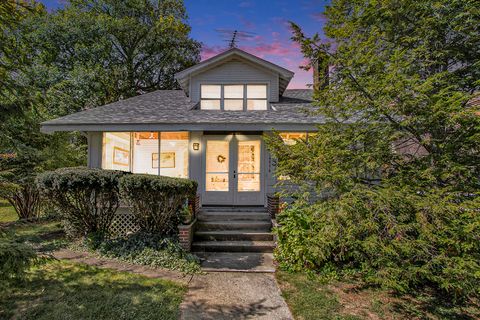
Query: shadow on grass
{"points": [[57, 289], [436, 305], [44, 235]]}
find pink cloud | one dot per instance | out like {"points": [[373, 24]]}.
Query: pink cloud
{"points": [[210, 51]]}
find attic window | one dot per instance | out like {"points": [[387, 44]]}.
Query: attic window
{"points": [[233, 97]]}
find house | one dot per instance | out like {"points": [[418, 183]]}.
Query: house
{"points": [[211, 131]]}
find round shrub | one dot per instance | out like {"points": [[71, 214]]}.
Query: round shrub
{"points": [[87, 198], [157, 201]]}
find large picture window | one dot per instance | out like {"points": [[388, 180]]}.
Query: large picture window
{"points": [[233, 97], [116, 151], [157, 153]]}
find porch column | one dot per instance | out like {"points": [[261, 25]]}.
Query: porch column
{"points": [[195, 158], [95, 145]]}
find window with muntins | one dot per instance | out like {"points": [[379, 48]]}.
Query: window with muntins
{"points": [[233, 97]]}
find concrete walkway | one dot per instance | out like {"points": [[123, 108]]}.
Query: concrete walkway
{"points": [[234, 295], [231, 294]]}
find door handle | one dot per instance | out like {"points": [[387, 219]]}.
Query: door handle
{"points": [[234, 174]]}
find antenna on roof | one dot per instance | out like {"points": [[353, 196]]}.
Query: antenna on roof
{"points": [[232, 37]]}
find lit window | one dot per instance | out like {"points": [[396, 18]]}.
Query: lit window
{"points": [[210, 105], [164, 153], [144, 151], [291, 138], [116, 151], [256, 97], [174, 154], [211, 95], [233, 97]]}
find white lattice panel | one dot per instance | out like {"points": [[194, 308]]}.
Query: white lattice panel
{"points": [[123, 223]]}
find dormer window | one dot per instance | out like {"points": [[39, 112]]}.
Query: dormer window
{"points": [[233, 97]]}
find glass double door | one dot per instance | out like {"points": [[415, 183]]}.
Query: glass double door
{"points": [[233, 170]]}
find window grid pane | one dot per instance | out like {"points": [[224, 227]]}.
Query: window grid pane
{"points": [[211, 91], [210, 104], [256, 104], [257, 91], [233, 105], [233, 91]]}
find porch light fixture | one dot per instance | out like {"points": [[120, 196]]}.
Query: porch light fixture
{"points": [[196, 146]]}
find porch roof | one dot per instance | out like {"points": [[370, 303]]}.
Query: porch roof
{"points": [[173, 110]]}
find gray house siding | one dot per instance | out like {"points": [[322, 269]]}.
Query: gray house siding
{"points": [[235, 72]]}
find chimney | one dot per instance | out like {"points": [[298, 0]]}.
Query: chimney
{"points": [[320, 72]]}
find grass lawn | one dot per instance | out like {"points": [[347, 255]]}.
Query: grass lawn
{"points": [[310, 298], [61, 290], [7, 213]]}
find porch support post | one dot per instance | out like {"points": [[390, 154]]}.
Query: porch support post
{"points": [[95, 145], [195, 159]]}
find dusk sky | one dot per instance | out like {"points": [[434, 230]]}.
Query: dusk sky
{"points": [[267, 19]]}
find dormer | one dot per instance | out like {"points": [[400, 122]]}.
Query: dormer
{"points": [[235, 81]]}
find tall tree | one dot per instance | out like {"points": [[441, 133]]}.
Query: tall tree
{"points": [[397, 163], [403, 76], [99, 51]]}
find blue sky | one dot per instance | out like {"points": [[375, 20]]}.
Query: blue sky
{"points": [[267, 19]]}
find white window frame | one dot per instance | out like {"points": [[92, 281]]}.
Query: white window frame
{"points": [[245, 99]]}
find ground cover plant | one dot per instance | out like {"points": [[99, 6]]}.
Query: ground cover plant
{"points": [[148, 249], [395, 168]]}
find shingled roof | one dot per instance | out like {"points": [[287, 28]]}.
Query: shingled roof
{"points": [[170, 109]]}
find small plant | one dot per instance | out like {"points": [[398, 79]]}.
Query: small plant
{"points": [[15, 258], [157, 202], [145, 249], [87, 198]]}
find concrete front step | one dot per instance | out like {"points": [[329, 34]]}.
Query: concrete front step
{"points": [[233, 216], [233, 246], [234, 225], [234, 209], [233, 235]]}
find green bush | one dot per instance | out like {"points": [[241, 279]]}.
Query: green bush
{"points": [[146, 249], [157, 202], [86, 198], [391, 237], [15, 257]]}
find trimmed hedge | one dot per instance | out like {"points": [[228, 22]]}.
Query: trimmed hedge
{"points": [[87, 198], [157, 201]]}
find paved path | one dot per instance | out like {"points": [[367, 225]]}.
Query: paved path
{"points": [[212, 295], [234, 295]]}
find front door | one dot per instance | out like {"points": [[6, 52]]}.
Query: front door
{"points": [[233, 167]]}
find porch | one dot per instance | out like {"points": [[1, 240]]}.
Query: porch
{"points": [[231, 168]]}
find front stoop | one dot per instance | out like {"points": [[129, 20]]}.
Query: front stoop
{"points": [[231, 230]]}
